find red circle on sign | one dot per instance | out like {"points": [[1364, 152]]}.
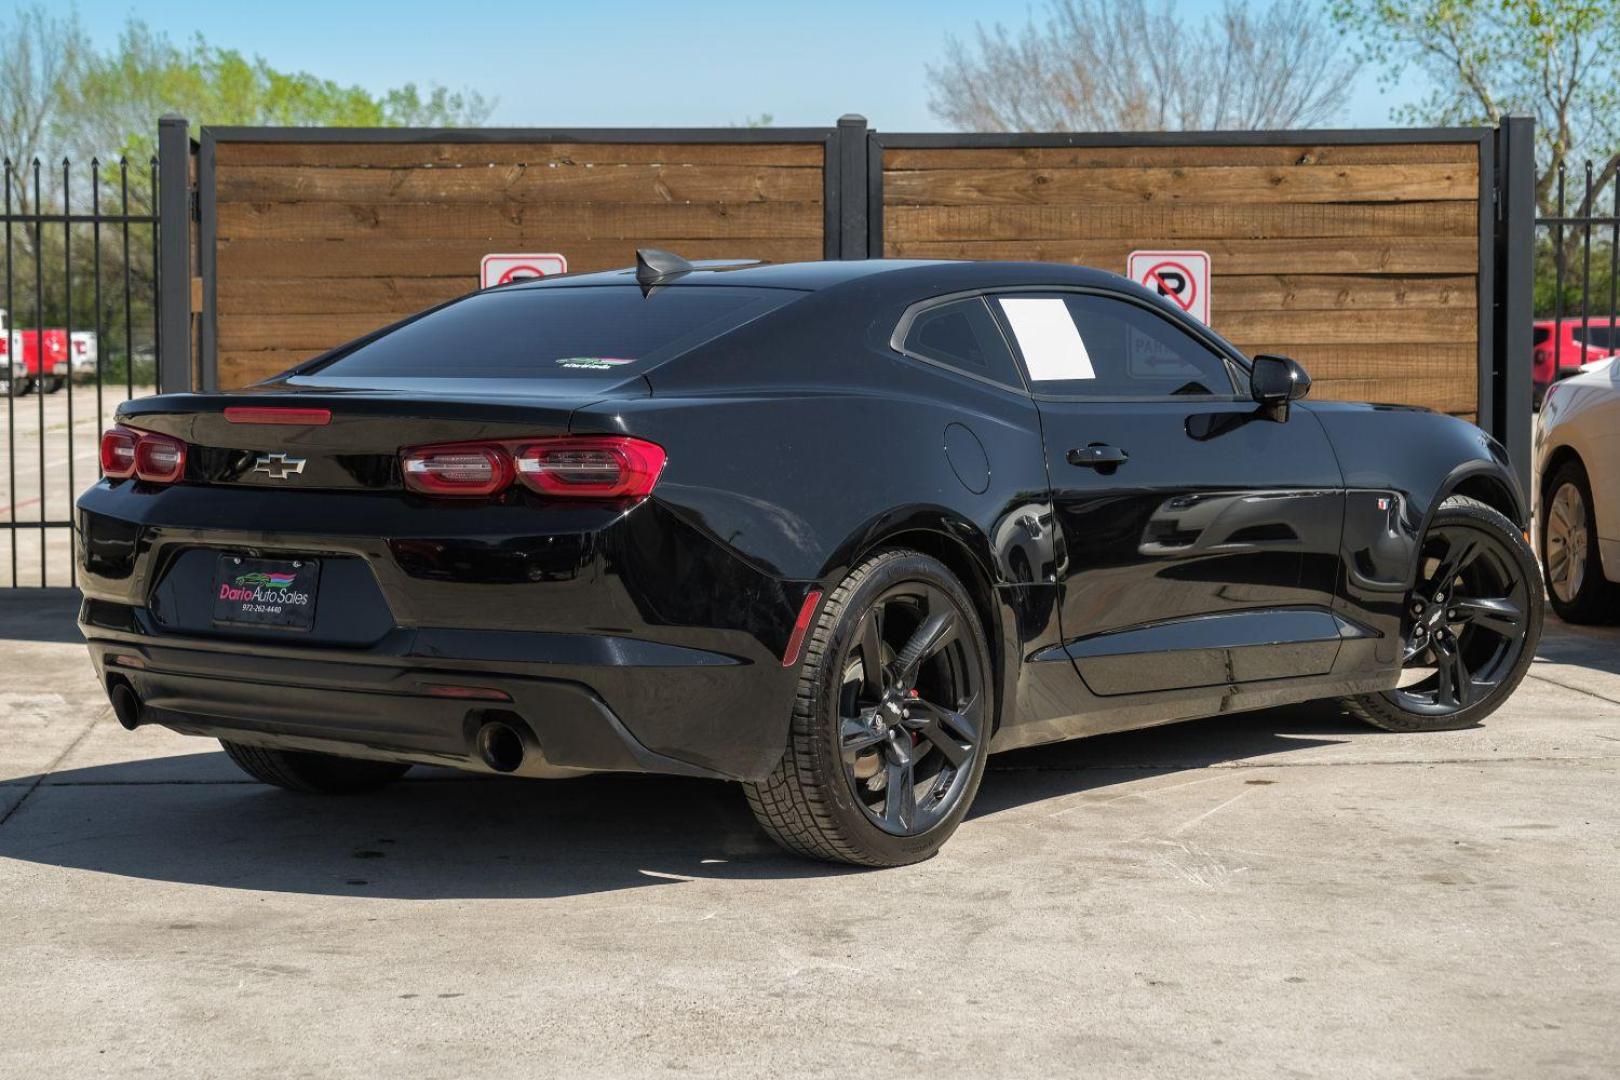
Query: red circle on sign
{"points": [[1164, 290], [533, 271]]}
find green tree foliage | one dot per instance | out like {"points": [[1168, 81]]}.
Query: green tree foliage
{"points": [[60, 97], [1558, 60]]}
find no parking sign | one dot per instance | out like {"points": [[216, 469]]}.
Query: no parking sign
{"points": [[1180, 276], [500, 269]]}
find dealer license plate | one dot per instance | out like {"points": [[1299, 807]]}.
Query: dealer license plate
{"points": [[277, 593]]}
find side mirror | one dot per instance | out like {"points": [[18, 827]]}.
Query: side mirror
{"points": [[1274, 381]]}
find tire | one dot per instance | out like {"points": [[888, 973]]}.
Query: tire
{"points": [[1592, 599], [1503, 645], [53, 384], [815, 803], [313, 774]]}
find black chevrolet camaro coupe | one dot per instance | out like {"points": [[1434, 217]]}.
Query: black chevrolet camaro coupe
{"points": [[836, 531]]}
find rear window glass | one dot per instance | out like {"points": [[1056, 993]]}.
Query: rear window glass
{"points": [[1541, 336], [586, 331]]}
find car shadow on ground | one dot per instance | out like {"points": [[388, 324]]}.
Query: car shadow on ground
{"points": [[1595, 647], [191, 819], [40, 615]]}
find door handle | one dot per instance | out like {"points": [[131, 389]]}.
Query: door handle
{"points": [[1097, 456]]}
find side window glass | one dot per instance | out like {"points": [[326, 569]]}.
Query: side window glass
{"points": [[962, 334], [1096, 346]]}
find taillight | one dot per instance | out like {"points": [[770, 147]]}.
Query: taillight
{"points": [[145, 455], [596, 467], [470, 469], [118, 452], [575, 467]]}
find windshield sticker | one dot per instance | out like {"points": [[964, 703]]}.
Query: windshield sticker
{"points": [[593, 363]]}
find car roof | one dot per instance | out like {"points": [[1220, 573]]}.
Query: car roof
{"points": [[927, 275]]}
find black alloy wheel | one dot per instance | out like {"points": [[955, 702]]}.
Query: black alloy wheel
{"points": [[1473, 620], [911, 710], [892, 721]]}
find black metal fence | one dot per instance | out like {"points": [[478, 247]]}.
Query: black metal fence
{"points": [[80, 296], [1577, 276]]}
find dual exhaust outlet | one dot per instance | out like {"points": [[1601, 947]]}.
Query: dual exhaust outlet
{"points": [[499, 744]]}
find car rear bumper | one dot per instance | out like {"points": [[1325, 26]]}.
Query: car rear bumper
{"points": [[624, 641], [395, 707], [386, 712]]}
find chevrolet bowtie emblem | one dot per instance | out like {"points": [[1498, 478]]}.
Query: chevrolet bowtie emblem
{"points": [[278, 466]]}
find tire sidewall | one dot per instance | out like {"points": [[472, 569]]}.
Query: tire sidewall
{"points": [[1481, 517], [872, 842], [1593, 585]]}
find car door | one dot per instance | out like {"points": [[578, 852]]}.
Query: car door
{"points": [[1200, 538]]}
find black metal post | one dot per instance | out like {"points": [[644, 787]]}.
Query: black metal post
{"points": [[1515, 277], [851, 148], [174, 257]]}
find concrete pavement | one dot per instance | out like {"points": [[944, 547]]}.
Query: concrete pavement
{"points": [[1281, 893]]}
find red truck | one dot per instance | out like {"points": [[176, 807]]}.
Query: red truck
{"points": [[21, 369], [1560, 347]]}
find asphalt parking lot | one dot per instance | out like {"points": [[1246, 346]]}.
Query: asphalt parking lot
{"points": [[1276, 894], [52, 462]]}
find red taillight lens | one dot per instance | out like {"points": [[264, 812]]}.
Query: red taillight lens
{"points": [[145, 455], [118, 452], [577, 467], [159, 459], [592, 466], [469, 469]]}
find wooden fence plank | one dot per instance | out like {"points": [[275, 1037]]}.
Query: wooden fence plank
{"points": [[476, 154], [1310, 292], [1215, 184], [552, 222], [1168, 222], [1437, 325], [1372, 255], [386, 256], [1046, 157], [656, 184]]}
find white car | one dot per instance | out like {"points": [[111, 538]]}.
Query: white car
{"points": [[1577, 478]]}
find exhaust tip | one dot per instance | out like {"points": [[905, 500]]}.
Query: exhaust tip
{"points": [[126, 705], [500, 746]]}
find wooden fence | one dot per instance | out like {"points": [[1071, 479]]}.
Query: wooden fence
{"points": [[1360, 260], [1357, 253], [317, 242]]}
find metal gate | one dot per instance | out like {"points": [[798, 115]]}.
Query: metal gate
{"points": [[1577, 277], [80, 303]]}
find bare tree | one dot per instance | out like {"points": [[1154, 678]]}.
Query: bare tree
{"points": [[1136, 65], [38, 55]]}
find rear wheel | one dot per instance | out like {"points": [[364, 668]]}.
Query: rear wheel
{"points": [[1473, 620], [52, 384], [314, 774], [1575, 582], [891, 722]]}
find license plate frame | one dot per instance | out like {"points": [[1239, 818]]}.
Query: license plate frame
{"points": [[265, 594]]}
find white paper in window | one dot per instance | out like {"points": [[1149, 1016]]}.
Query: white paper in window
{"points": [[1048, 339]]}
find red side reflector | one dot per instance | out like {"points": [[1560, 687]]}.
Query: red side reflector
{"points": [[801, 626], [474, 693], [275, 414]]}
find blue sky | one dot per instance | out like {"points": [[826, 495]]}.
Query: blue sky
{"points": [[626, 62]]}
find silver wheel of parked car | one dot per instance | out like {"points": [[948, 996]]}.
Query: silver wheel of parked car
{"points": [[1576, 585], [1567, 540]]}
